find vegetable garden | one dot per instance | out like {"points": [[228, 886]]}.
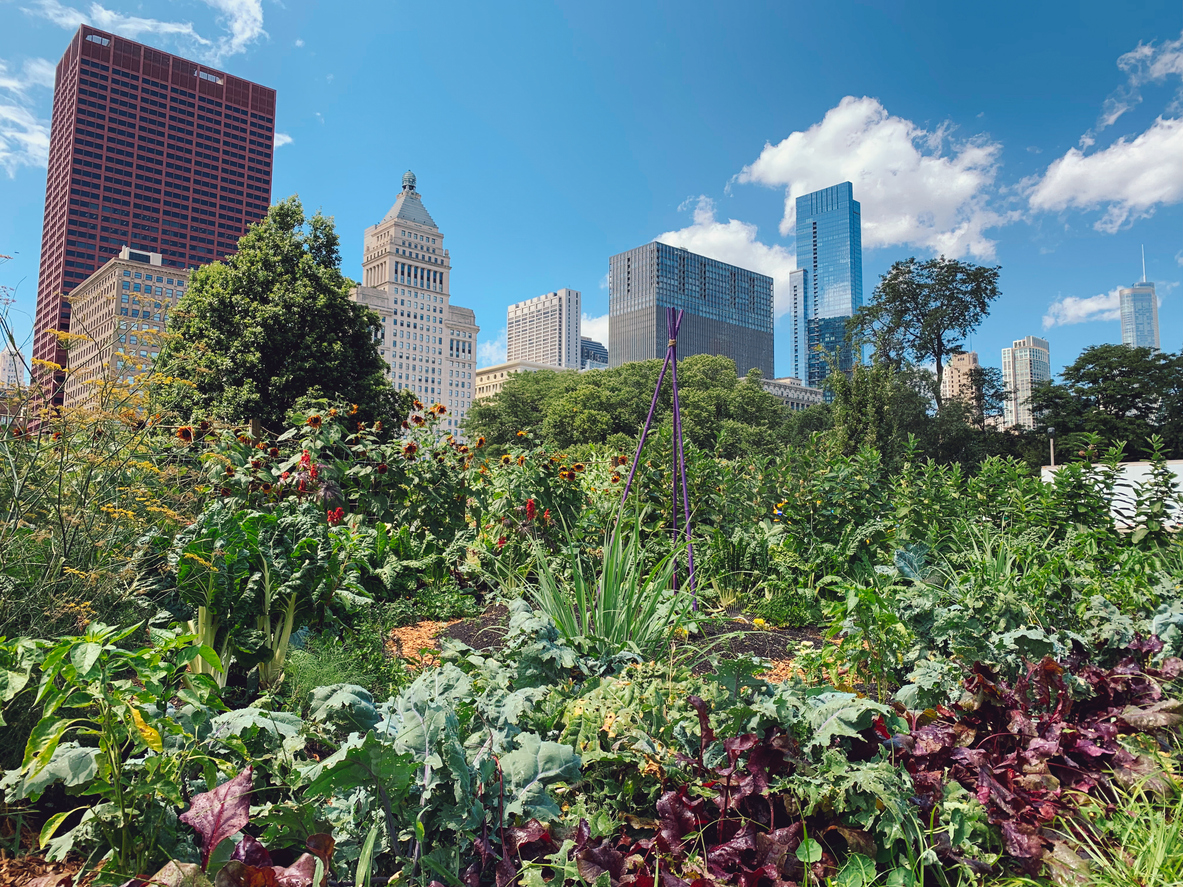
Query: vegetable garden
{"points": [[198, 688]]}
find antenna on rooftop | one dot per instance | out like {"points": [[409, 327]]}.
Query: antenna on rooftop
{"points": [[1143, 263]]}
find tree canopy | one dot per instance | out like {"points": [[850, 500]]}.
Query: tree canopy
{"points": [[923, 311], [721, 412], [272, 324], [1120, 393]]}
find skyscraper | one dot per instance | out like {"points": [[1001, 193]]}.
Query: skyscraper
{"points": [[728, 309], [428, 343], [545, 329], [147, 150], [1024, 365], [957, 381], [593, 355], [1139, 315], [830, 259]]}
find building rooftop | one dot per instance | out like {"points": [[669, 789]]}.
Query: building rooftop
{"points": [[408, 207]]}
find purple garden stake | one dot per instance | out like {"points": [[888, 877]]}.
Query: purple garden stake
{"points": [[674, 320]]}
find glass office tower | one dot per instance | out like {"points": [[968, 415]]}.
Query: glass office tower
{"points": [[1139, 316], [728, 309], [830, 255]]}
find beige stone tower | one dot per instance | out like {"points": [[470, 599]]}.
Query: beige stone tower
{"points": [[428, 344]]}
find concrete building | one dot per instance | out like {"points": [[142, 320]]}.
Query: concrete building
{"points": [[830, 256], [592, 354], [490, 380], [428, 343], [119, 318], [545, 329], [1139, 315], [957, 381], [794, 393], [12, 369], [148, 150], [728, 309], [1024, 365]]}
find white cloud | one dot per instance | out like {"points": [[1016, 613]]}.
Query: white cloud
{"points": [[299, 43], [1128, 179], [604, 281], [1145, 63], [490, 353], [241, 19], [734, 242], [594, 328], [916, 187], [24, 137], [282, 138], [1070, 310]]}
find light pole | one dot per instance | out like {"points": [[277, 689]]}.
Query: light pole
{"points": [[1051, 442]]}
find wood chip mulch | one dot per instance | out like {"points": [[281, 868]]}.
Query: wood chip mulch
{"points": [[414, 643], [35, 871]]}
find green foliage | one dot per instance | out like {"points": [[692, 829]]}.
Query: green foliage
{"points": [[121, 726], [1119, 393], [266, 326]]}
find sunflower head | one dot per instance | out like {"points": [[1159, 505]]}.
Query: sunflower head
{"points": [[314, 421], [521, 460], [506, 459], [480, 442], [185, 434], [579, 466], [521, 434]]}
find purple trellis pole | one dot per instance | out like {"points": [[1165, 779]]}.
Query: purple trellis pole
{"points": [[674, 321]]}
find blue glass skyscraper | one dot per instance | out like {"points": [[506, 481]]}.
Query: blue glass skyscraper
{"points": [[830, 277]]}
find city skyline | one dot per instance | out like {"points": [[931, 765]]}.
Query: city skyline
{"points": [[971, 168], [148, 150]]}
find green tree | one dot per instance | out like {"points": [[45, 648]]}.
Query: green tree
{"points": [[923, 311], [989, 394], [1120, 393], [271, 324]]}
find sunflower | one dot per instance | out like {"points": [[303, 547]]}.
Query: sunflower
{"points": [[506, 459], [418, 404], [378, 425], [185, 434], [314, 420], [243, 439], [615, 478], [410, 448], [204, 426], [333, 411], [266, 488], [418, 421], [480, 442], [521, 460], [579, 467], [353, 410], [521, 434], [382, 469], [463, 449], [567, 474], [273, 452]]}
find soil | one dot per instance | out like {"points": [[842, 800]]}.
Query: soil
{"points": [[731, 638], [35, 871]]}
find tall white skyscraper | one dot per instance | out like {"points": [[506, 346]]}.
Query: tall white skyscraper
{"points": [[428, 343], [545, 329], [1024, 365], [12, 369], [1139, 315]]}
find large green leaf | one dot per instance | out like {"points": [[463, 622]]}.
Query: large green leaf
{"points": [[71, 765], [346, 705], [834, 714], [530, 769]]}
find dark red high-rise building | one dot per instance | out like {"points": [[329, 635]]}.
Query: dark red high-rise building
{"points": [[150, 150]]}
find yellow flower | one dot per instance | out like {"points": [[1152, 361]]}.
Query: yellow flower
{"points": [[759, 623]]}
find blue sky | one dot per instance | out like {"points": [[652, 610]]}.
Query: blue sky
{"points": [[1043, 137]]}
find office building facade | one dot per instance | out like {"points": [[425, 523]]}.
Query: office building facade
{"points": [[119, 317], [830, 277], [12, 369], [957, 381], [593, 355], [147, 150], [1025, 365], [491, 379], [728, 310], [794, 393], [545, 329], [1139, 315], [428, 343]]}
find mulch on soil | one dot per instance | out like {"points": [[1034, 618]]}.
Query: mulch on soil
{"points": [[729, 639], [35, 871]]}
